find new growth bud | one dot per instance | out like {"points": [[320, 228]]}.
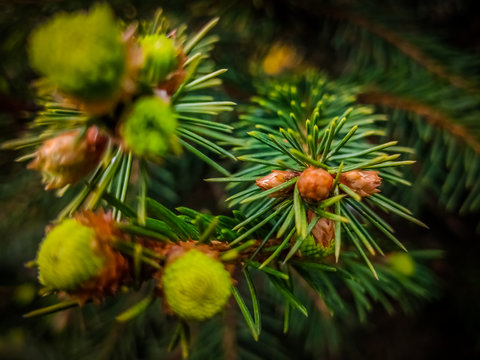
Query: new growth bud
{"points": [[150, 129], [401, 263], [160, 57], [66, 158], [274, 179], [321, 242], [67, 256], [364, 183], [195, 284], [81, 53], [314, 184], [77, 257]]}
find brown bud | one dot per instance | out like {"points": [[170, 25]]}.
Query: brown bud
{"points": [[323, 231], [68, 157], [274, 179], [315, 184], [364, 183]]}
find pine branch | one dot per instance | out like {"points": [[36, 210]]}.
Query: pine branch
{"points": [[307, 188]]}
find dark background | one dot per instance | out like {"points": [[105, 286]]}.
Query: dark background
{"points": [[445, 328]]}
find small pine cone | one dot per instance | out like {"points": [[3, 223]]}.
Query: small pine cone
{"points": [[195, 283], [67, 158], [315, 184], [76, 257], [364, 183], [276, 178]]}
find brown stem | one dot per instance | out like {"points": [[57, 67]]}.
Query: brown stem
{"points": [[409, 49], [317, 299], [229, 342], [433, 116]]}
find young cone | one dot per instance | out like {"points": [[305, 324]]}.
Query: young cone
{"points": [[314, 184], [321, 241], [274, 179], [150, 129], [364, 183], [161, 57], [196, 285], [66, 158], [76, 257], [81, 53]]}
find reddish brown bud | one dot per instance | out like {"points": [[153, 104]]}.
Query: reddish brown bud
{"points": [[364, 183], [274, 179], [323, 231], [315, 184], [321, 241], [68, 157]]}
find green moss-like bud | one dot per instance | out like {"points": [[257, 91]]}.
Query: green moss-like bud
{"points": [[67, 256], [196, 286], [150, 129], [402, 263], [82, 53], [311, 248], [160, 57]]}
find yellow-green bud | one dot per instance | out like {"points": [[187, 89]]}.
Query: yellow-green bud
{"points": [[160, 57], [150, 128], [82, 53], [67, 256], [402, 263], [196, 286]]}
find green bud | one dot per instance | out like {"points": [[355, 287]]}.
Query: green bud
{"points": [[150, 129], [402, 263], [82, 53], [310, 248], [161, 57], [196, 286], [67, 256]]}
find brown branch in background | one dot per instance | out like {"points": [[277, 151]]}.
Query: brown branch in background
{"points": [[409, 49], [316, 298], [230, 334], [433, 116]]}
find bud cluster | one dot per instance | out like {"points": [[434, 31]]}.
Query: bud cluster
{"points": [[316, 184], [118, 79]]}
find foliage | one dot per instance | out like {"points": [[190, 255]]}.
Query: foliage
{"points": [[269, 240]]}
